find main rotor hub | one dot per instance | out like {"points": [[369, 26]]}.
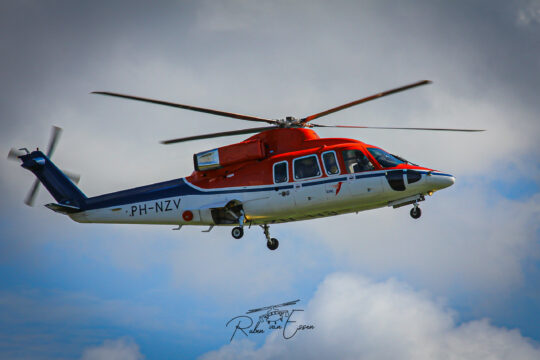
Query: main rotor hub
{"points": [[290, 122]]}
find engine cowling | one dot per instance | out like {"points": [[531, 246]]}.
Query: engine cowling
{"points": [[230, 154]]}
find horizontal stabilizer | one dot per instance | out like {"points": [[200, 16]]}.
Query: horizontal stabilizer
{"points": [[63, 209]]}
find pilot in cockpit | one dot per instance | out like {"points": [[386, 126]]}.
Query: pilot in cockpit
{"points": [[356, 161]]}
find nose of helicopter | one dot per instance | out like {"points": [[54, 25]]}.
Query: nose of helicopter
{"points": [[441, 180]]}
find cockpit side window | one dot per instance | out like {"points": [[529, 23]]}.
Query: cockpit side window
{"points": [[385, 159], [330, 163], [306, 167], [355, 161], [281, 173]]}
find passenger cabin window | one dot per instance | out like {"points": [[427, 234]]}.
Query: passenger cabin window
{"points": [[330, 163], [281, 174], [385, 159], [356, 161], [306, 167]]}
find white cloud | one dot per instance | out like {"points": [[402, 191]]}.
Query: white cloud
{"points": [[212, 264], [356, 318], [119, 349], [468, 239], [529, 14]]}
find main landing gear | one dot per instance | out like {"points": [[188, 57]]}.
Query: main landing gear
{"points": [[416, 212], [237, 232], [271, 243]]}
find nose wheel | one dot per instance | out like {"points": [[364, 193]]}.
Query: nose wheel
{"points": [[271, 243], [416, 212]]}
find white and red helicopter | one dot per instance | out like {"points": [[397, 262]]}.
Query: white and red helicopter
{"points": [[284, 173]]}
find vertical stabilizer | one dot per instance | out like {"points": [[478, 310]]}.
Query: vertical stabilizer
{"points": [[57, 183]]}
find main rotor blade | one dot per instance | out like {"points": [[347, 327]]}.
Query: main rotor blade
{"points": [[189, 107], [55, 135], [393, 128], [363, 100], [219, 134], [32, 194]]}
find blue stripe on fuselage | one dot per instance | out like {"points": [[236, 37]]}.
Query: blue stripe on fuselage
{"points": [[167, 189], [179, 187], [156, 191]]}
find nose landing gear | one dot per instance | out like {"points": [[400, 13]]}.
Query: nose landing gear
{"points": [[411, 200], [416, 212]]}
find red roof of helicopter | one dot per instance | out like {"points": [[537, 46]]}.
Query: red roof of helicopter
{"points": [[278, 144]]}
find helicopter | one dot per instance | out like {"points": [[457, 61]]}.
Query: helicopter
{"points": [[283, 173]]}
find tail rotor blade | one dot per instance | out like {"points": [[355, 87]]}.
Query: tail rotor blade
{"points": [[14, 154], [53, 141], [55, 136], [72, 176], [32, 194]]}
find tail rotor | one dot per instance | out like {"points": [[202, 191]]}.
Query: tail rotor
{"points": [[14, 154]]}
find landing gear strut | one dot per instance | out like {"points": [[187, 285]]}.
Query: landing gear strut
{"points": [[271, 243], [416, 212], [238, 231]]}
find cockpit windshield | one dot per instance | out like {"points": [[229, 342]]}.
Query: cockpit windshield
{"points": [[385, 159]]}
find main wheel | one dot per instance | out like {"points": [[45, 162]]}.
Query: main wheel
{"points": [[237, 232], [272, 244], [416, 212]]}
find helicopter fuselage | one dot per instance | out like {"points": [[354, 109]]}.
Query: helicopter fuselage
{"points": [[299, 177]]}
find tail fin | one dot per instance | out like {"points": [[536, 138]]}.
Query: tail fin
{"points": [[56, 182]]}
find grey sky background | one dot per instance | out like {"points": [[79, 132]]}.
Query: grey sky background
{"points": [[476, 245], [280, 59]]}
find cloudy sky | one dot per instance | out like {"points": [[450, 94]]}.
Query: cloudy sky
{"points": [[461, 282]]}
